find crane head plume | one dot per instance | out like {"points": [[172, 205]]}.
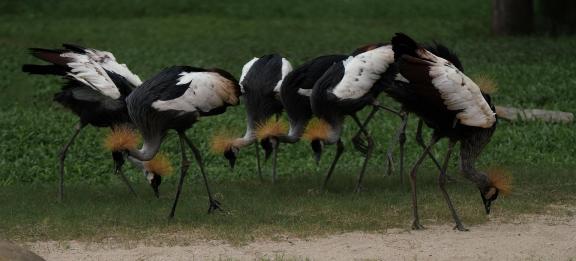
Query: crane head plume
{"points": [[121, 138], [317, 129], [499, 182], [222, 142], [267, 133], [486, 84], [155, 169], [225, 143], [159, 165], [316, 132], [271, 128]]}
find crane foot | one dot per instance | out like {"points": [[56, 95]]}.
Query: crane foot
{"points": [[214, 205], [460, 227], [416, 225]]}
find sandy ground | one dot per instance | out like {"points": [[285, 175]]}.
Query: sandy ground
{"points": [[528, 238]]}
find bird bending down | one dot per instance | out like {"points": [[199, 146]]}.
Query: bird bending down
{"points": [[296, 90], [452, 105], [260, 86], [344, 89], [95, 88], [175, 99]]}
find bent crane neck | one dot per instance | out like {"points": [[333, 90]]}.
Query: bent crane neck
{"points": [[469, 153], [148, 150], [294, 134]]}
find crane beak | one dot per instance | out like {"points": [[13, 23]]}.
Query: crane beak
{"points": [[230, 155], [487, 203], [317, 146], [118, 161], [268, 148], [155, 184]]}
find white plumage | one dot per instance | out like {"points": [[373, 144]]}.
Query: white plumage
{"points": [[459, 92], [90, 69], [305, 92], [286, 69], [362, 71], [245, 70], [399, 77], [206, 91]]}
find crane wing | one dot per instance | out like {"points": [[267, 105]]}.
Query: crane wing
{"points": [[245, 70], [89, 67], [206, 91], [458, 92], [362, 71], [286, 69]]}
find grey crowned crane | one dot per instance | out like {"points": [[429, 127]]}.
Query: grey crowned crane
{"points": [[455, 108], [344, 89], [295, 94], [175, 99], [260, 86], [95, 88]]}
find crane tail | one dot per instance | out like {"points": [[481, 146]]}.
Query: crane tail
{"points": [[51, 56], [43, 69], [402, 44]]}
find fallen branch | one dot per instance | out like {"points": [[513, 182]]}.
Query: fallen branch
{"points": [[516, 114]]}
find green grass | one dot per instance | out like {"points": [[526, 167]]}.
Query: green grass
{"points": [[531, 71], [254, 210]]}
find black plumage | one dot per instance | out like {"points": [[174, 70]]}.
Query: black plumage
{"points": [[174, 99], [332, 105], [92, 107], [423, 98], [260, 96], [297, 104]]}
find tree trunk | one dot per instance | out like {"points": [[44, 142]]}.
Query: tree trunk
{"points": [[558, 16], [512, 17]]}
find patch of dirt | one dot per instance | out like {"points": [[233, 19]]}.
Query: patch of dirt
{"points": [[528, 238]]}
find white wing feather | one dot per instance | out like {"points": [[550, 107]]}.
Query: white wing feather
{"points": [[459, 93], [206, 91], [89, 69], [286, 69], [362, 71], [245, 70]]}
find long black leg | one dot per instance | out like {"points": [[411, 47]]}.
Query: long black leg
{"points": [[416, 222], [183, 171], [339, 150], [214, 204], [367, 156], [257, 146], [78, 127], [399, 137], [356, 139], [125, 180], [402, 141], [442, 184], [420, 141], [275, 146]]}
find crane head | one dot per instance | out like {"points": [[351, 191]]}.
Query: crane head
{"points": [[118, 158], [499, 182], [226, 143], [230, 155], [317, 131], [154, 170], [488, 194], [317, 146], [154, 180], [268, 145]]}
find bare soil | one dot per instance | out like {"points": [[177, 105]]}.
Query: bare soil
{"points": [[527, 238]]}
